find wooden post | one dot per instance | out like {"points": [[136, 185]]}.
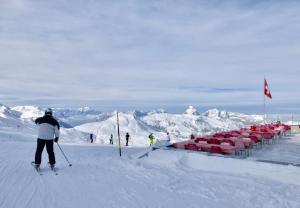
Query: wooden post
{"points": [[119, 134]]}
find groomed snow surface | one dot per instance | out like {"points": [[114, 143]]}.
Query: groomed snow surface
{"points": [[167, 178]]}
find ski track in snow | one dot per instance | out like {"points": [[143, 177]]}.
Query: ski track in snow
{"points": [[100, 178]]}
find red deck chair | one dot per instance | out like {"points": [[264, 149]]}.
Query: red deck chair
{"points": [[214, 141], [227, 148], [181, 145], [200, 139], [254, 138], [247, 142], [229, 141], [239, 145], [216, 149], [204, 146], [193, 147]]}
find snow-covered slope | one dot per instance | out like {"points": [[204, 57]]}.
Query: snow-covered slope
{"points": [[12, 127], [7, 113], [175, 179], [129, 122], [9, 117], [69, 117], [18, 124]]}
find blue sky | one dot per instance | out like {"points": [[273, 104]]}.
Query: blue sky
{"points": [[140, 54]]}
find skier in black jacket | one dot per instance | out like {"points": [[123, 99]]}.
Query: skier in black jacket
{"points": [[127, 138], [48, 132], [91, 138]]}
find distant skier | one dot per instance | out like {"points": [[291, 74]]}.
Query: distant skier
{"points": [[48, 131], [111, 141], [151, 137], [91, 138], [127, 138], [192, 136], [168, 137]]}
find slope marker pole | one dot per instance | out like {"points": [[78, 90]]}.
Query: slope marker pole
{"points": [[120, 152]]}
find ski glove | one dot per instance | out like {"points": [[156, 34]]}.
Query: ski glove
{"points": [[56, 139]]}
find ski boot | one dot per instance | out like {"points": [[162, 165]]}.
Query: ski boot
{"points": [[52, 166], [36, 166]]}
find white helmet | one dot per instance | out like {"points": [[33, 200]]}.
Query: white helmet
{"points": [[48, 111]]}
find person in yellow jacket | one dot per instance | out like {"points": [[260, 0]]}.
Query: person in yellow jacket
{"points": [[151, 137]]}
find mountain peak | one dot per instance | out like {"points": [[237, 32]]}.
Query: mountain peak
{"points": [[191, 111], [215, 113], [212, 113], [158, 111], [6, 112], [28, 112], [84, 109]]}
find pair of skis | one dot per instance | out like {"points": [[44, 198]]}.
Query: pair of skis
{"points": [[38, 169], [146, 154]]}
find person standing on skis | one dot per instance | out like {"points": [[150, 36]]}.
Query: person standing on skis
{"points": [[127, 138], [48, 132], [91, 138], [111, 141], [151, 137], [168, 137]]}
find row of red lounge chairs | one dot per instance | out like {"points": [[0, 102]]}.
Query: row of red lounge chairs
{"points": [[235, 142]]}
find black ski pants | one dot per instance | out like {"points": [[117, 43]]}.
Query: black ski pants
{"points": [[39, 150]]}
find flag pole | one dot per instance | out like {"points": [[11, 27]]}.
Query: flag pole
{"points": [[264, 101], [120, 152], [265, 115]]}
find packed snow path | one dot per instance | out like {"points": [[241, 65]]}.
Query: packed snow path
{"points": [[286, 150], [99, 178]]}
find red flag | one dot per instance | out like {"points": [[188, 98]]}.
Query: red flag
{"points": [[267, 90]]}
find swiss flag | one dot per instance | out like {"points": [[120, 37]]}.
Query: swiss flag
{"points": [[267, 90]]}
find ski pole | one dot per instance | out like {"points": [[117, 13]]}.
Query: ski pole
{"points": [[64, 154]]}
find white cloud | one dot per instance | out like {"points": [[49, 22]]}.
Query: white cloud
{"points": [[141, 51]]}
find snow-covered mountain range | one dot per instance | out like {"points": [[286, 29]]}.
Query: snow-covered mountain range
{"points": [[77, 124]]}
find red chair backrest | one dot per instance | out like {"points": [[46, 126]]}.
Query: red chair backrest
{"points": [[214, 141], [254, 138], [229, 141], [216, 149], [199, 139], [193, 147]]}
